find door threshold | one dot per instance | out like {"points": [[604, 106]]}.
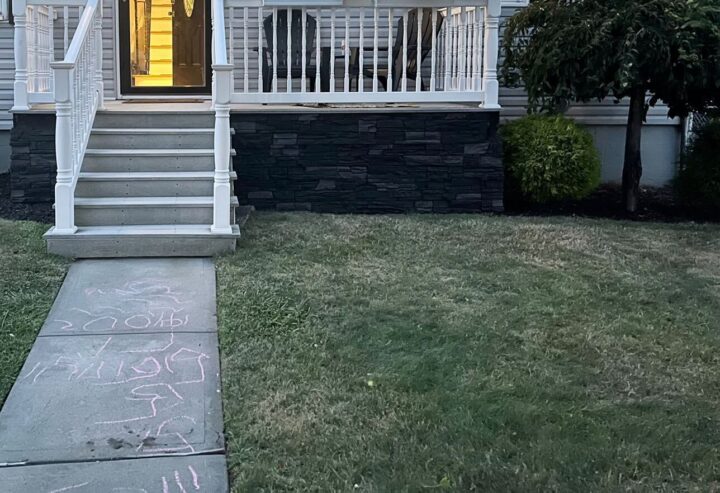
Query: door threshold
{"points": [[170, 98]]}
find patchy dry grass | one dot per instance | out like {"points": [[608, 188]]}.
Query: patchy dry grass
{"points": [[471, 353], [29, 280]]}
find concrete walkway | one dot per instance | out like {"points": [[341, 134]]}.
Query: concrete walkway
{"points": [[121, 391]]}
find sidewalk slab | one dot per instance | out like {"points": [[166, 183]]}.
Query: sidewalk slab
{"points": [[169, 475], [135, 296], [113, 397]]}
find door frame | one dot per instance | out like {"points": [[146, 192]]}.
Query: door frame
{"points": [[123, 53]]}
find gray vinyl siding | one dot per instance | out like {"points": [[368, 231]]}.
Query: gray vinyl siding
{"points": [[7, 74]]}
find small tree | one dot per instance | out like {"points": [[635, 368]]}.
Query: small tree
{"points": [[566, 51]]}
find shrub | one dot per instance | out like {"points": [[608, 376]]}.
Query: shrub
{"points": [[549, 158], [698, 182]]}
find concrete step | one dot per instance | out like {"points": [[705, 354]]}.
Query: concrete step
{"points": [[115, 211], [126, 160], [146, 184], [154, 119], [152, 138], [179, 240]]}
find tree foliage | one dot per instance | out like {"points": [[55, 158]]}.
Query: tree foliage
{"points": [[580, 50], [648, 50]]}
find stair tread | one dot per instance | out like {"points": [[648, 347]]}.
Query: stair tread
{"points": [[191, 201], [149, 230], [152, 152], [143, 131], [148, 175]]}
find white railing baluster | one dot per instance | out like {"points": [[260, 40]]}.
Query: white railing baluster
{"points": [[390, 51], [491, 87], [274, 50], [418, 55], [99, 56], [66, 28], [462, 41], [346, 52], [403, 85], [317, 50], [479, 32], [246, 52], [433, 48], [376, 28], [469, 51], [260, 50], [332, 49], [361, 52], [448, 43], [231, 35], [304, 48], [288, 78]]}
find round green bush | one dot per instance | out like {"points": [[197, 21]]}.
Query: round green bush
{"points": [[549, 158], [698, 182]]}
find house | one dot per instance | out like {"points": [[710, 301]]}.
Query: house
{"points": [[153, 120]]}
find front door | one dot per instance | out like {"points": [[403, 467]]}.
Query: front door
{"points": [[164, 46]]}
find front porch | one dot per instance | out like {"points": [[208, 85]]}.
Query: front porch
{"points": [[348, 111]]}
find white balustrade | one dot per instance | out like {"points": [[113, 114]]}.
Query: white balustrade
{"points": [[34, 47], [362, 51], [78, 95]]}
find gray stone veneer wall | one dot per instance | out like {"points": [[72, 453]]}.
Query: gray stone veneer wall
{"points": [[32, 167], [369, 161]]}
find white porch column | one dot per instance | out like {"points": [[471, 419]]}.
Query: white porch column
{"points": [[99, 47], [20, 88], [221, 187], [492, 46], [64, 200]]}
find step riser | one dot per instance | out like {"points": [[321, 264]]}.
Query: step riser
{"points": [[109, 216], [140, 247], [154, 120], [148, 163], [151, 141], [145, 188], [97, 216]]}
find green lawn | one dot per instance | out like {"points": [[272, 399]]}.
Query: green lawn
{"points": [[471, 353], [29, 280]]}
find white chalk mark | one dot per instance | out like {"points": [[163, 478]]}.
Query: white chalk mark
{"points": [[149, 396], [68, 488], [196, 482], [67, 325], [38, 364], [135, 325], [113, 322], [165, 485], [81, 311], [103, 347], [179, 483]]}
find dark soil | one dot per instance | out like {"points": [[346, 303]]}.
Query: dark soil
{"points": [[656, 204], [10, 210]]}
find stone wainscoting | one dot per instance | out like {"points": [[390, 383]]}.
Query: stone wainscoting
{"points": [[390, 160], [32, 159]]}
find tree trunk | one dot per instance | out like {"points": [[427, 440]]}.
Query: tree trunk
{"points": [[632, 169]]}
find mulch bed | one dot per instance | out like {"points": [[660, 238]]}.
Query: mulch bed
{"points": [[656, 204], [42, 213]]}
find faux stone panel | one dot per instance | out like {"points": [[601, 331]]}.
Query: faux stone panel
{"points": [[32, 160], [367, 161]]}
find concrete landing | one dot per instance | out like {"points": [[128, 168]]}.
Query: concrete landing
{"points": [[125, 367]]}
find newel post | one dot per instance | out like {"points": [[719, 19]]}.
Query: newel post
{"points": [[491, 85], [99, 53], [221, 188], [20, 88], [64, 200]]}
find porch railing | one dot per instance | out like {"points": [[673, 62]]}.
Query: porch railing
{"points": [[74, 84], [363, 51]]}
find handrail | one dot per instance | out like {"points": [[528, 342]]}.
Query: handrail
{"points": [[81, 32], [78, 96]]}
